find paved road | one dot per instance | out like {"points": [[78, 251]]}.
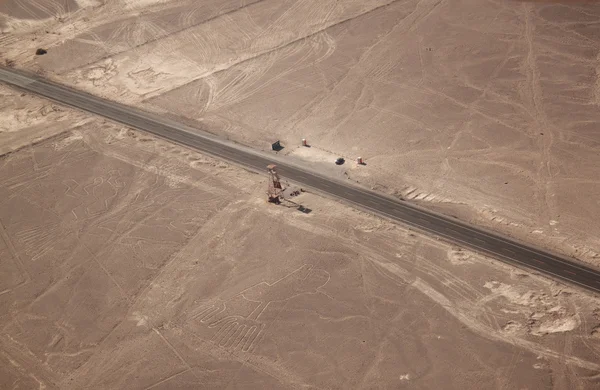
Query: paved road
{"points": [[486, 242]]}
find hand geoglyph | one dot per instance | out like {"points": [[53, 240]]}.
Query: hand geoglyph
{"points": [[235, 328]]}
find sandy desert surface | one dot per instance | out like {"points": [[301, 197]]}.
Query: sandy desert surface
{"points": [[487, 110], [128, 262], [132, 263]]}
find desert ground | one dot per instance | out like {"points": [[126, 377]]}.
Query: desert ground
{"points": [[482, 109], [132, 263], [129, 262]]}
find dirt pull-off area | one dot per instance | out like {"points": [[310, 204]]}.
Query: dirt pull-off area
{"points": [[132, 263], [486, 110]]}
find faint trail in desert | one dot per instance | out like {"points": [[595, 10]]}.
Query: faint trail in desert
{"points": [[458, 310], [113, 43], [567, 351], [597, 86], [471, 108], [422, 264], [111, 52], [274, 370], [595, 349], [408, 22], [486, 88], [406, 117], [8, 39], [579, 35], [259, 54], [379, 355], [108, 274], [185, 20], [544, 179], [13, 252], [20, 356], [279, 21], [458, 286], [492, 334], [51, 355], [141, 32], [515, 169], [173, 257], [423, 9], [172, 348], [117, 235], [461, 288], [432, 271], [27, 7], [251, 80], [514, 363], [162, 381]]}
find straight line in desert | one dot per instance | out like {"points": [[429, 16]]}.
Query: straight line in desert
{"points": [[262, 53]]}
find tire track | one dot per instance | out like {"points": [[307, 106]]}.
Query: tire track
{"points": [[259, 54], [544, 174], [413, 19], [157, 38]]}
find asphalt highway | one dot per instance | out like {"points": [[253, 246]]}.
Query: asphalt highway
{"points": [[450, 229]]}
